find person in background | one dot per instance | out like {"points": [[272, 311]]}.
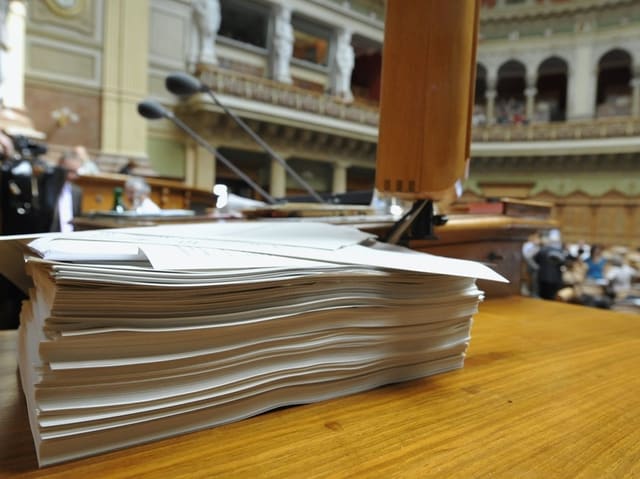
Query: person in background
{"points": [[620, 276], [68, 198], [6, 146], [88, 167], [550, 260], [595, 265], [580, 250], [11, 296], [128, 168], [137, 192], [529, 250]]}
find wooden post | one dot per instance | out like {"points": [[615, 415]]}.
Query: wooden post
{"points": [[428, 80]]}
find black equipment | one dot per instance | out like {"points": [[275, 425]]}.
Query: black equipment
{"points": [[28, 189]]}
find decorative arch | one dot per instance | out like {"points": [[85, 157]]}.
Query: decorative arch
{"points": [[604, 48], [565, 56], [481, 84], [551, 85], [613, 93], [510, 102]]}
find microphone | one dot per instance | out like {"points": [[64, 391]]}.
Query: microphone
{"points": [[152, 110], [182, 84]]}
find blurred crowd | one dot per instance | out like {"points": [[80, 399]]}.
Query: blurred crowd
{"points": [[579, 273]]}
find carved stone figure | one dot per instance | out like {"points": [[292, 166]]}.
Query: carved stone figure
{"points": [[206, 19], [4, 42], [343, 66], [282, 45]]}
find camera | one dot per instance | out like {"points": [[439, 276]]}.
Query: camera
{"points": [[27, 188], [27, 149]]}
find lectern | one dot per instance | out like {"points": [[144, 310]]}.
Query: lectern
{"points": [[549, 390], [428, 79], [427, 89]]}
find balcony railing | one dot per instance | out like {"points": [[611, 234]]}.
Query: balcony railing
{"points": [[570, 130], [259, 89], [250, 87], [369, 8]]}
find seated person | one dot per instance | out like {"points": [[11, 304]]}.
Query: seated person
{"points": [[595, 264], [68, 197], [620, 276], [128, 168], [550, 260], [88, 167], [137, 192]]}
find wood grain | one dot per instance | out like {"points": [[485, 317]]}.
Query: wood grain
{"points": [[97, 192], [548, 391], [427, 85]]}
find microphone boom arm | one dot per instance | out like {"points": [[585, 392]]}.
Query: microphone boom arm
{"points": [[183, 84], [266, 147], [182, 125]]}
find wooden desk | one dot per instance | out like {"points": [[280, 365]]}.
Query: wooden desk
{"points": [[548, 391], [97, 192]]}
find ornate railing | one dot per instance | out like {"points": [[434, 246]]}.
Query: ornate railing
{"points": [[569, 130], [368, 8], [279, 94], [260, 89]]}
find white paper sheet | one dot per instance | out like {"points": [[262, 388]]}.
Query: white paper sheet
{"points": [[204, 246]]}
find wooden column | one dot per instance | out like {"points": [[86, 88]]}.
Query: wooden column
{"points": [[428, 80]]}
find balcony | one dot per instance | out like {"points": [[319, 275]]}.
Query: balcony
{"points": [[587, 137], [603, 135], [262, 90], [369, 8], [616, 127]]}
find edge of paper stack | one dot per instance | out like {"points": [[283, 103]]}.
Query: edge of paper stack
{"points": [[137, 334]]}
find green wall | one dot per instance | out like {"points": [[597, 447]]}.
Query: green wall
{"points": [[167, 157]]}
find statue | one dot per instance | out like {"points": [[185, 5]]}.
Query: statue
{"points": [[206, 18], [343, 66], [4, 43], [282, 45]]}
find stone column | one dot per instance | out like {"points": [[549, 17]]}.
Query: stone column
{"points": [[281, 45], [12, 53], [339, 184], [125, 76], [582, 82], [635, 96], [13, 16], [343, 63], [530, 93], [490, 95], [206, 20], [200, 167], [278, 180]]}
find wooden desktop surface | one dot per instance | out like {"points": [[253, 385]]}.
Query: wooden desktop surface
{"points": [[548, 391]]}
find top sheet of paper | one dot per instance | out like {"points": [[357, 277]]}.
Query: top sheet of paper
{"points": [[241, 245]]}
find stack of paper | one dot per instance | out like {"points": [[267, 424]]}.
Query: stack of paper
{"points": [[138, 334]]}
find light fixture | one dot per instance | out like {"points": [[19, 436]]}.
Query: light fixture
{"points": [[64, 115]]}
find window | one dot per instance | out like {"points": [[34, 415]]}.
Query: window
{"points": [[311, 41], [245, 22]]}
